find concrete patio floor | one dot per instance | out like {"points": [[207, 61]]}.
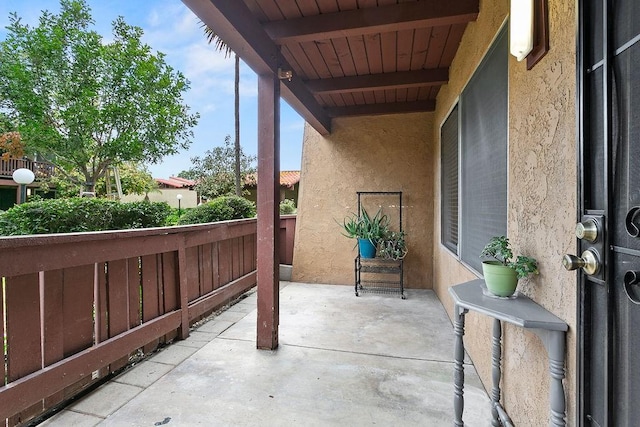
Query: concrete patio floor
{"points": [[342, 361]]}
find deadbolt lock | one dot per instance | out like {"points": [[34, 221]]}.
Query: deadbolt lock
{"points": [[587, 230], [589, 262]]}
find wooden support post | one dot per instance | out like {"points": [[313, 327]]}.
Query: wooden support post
{"points": [[268, 211]]}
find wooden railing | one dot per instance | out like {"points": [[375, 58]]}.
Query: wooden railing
{"points": [[77, 306], [40, 169], [287, 238]]}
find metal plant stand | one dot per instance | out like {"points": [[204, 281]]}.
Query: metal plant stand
{"points": [[377, 275], [522, 312]]}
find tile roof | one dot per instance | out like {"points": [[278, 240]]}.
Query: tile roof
{"points": [[287, 179], [176, 182]]}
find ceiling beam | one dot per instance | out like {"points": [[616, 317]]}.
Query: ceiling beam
{"points": [[384, 108], [402, 16], [241, 31], [399, 80]]}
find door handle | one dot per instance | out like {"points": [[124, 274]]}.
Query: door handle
{"points": [[589, 262]]}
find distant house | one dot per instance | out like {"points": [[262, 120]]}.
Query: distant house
{"points": [[289, 186], [9, 188], [169, 190], [175, 182]]}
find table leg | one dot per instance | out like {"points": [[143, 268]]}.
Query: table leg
{"points": [[556, 369], [458, 358], [554, 343], [496, 357]]}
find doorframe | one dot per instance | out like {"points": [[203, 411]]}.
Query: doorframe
{"points": [[583, 103]]}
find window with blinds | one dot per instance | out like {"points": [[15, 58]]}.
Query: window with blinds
{"points": [[449, 181], [482, 113]]}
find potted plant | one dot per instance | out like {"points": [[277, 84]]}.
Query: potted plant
{"points": [[501, 274], [369, 230], [393, 245]]}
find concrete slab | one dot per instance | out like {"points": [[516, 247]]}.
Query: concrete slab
{"points": [[243, 307], [143, 374], [231, 316], [197, 339], [72, 419], [215, 326], [230, 383], [173, 354], [106, 399], [333, 318], [342, 360]]}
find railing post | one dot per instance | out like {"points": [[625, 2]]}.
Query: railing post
{"points": [[184, 297], [291, 234]]}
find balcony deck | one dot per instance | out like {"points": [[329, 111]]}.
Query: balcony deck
{"points": [[342, 360]]}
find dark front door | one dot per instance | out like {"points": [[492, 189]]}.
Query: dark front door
{"points": [[609, 285]]}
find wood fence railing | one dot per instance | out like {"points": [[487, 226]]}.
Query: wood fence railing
{"points": [[76, 306], [287, 238], [40, 169]]}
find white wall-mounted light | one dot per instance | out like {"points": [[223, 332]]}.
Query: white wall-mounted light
{"points": [[521, 28]]}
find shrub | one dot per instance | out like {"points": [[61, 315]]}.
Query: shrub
{"points": [[287, 207], [80, 214], [140, 215], [219, 209]]}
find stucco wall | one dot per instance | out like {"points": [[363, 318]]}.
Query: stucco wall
{"points": [[383, 153], [189, 197], [541, 201]]}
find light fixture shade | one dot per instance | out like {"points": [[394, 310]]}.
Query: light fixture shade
{"points": [[23, 176], [179, 196], [521, 28]]}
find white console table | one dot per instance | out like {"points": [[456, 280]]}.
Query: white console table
{"points": [[520, 311]]}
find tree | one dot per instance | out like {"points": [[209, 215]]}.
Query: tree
{"points": [[134, 178], [215, 171], [10, 140], [85, 104], [221, 46]]}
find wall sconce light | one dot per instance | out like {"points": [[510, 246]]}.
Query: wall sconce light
{"points": [[285, 74], [521, 28], [529, 30]]}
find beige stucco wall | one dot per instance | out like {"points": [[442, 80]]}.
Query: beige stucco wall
{"points": [[541, 200], [383, 153], [189, 197]]}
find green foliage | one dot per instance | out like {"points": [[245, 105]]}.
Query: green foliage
{"points": [[174, 216], [219, 209], [287, 207], [85, 103], [135, 179], [366, 227], [499, 249], [393, 245], [190, 174], [215, 172], [80, 214]]}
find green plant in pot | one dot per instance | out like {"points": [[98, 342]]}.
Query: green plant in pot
{"points": [[393, 245], [369, 230], [501, 274]]}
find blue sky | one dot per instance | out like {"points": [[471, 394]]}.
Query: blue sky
{"points": [[170, 27]]}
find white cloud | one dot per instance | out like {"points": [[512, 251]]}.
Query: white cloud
{"points": [[297, 125], [202, 59]]}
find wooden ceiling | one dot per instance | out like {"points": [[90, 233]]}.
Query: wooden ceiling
{"points": [[347, 57]]}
